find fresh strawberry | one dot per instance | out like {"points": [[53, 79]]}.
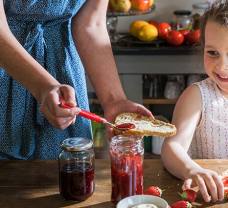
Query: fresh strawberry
{"points": [[188, 195], [153, 190], [225, 181], [181, 204], [226, 193]]}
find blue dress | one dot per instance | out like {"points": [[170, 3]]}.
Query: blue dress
{"points": [[43, 27]]}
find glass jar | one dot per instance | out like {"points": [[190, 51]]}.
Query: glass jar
{"points": [[198, 10], [172, 88], [126, 154], [182, 20], [76, 169]]}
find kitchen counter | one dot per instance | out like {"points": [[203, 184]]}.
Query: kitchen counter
{"points": [[26, 184]]}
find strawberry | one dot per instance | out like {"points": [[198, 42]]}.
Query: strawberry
{"points": [[188, 195], [225, 181], [153, 190], [181, 204], [226, 193]]}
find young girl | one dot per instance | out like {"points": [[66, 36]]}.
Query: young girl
{"points": [[201, 113]]}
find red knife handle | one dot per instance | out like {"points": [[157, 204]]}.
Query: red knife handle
{"points": [[85, 114], [91, 116]]}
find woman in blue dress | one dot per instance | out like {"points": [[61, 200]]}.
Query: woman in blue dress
{"points": [[45, 46]]}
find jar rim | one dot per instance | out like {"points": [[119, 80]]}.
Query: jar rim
{"points": [[76, 144], [182, 12], [202, 5]]}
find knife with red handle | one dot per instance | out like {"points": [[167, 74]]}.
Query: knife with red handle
{"points": [[96, 118]]}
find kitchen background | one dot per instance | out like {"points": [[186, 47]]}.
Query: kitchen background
{"points": [[163, 12], [151, 75]]}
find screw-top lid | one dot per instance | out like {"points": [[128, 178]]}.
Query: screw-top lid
{"points": [[202, 5], [182, 12], [76, 144]]}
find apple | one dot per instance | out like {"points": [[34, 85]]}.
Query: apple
{"points": [[120, 5], [151, 2], [140, 5]]}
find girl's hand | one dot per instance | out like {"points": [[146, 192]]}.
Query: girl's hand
{"points": [[50, 106], [114, 108], [209, 183]]}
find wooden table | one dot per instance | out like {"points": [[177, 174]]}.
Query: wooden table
{"points": [[34, 184]]}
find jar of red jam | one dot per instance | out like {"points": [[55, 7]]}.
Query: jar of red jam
{"points": [[76, 169], [126, 154]]}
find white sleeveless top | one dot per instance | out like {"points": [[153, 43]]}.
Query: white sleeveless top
{"points": [[211, 136]]}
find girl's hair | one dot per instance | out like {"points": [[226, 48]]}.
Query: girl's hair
{"points": [[217, 12]]}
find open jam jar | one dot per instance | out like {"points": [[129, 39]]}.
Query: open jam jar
{"points": [[126, 154], [76, 169]]}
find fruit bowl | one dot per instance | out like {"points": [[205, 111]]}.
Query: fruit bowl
{"points": [[133, 201], [130, 12]]}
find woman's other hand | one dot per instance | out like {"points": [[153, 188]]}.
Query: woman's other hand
{"points": [[209, 183], [114, 108], [58, 116]]}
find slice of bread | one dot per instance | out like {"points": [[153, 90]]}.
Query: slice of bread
{"points": [[144, 126]]}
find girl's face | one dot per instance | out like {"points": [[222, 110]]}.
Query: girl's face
{"points": [[216, 54]]}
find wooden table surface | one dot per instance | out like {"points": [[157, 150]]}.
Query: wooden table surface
{"points": [[26, 184]]}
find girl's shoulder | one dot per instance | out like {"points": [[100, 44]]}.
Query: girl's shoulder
{"points": [[189, 103]]}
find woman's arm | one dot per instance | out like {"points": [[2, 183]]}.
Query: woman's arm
{"points": [[19, 64], [92, 41], [93, 44]]}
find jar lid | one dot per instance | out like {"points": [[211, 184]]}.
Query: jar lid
{"points": [[76, 144], [182, 12], [201, 5]]}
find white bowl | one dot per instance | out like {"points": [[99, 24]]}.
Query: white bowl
{"points": [[131, 201]]}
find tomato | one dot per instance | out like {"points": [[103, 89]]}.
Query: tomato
{"points": [[184, 32], [140, 5], [163, 29], [193, 37], [175, 38]]}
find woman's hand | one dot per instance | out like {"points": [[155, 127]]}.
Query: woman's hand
{"points": [[209, 183], [112, 109], [50, 106]]}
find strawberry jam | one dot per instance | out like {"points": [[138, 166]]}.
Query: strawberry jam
{"points": [[76, 181], [76, 169], [126, 155]]}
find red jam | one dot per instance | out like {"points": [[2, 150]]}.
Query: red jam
{"points": [[76, 181], [126, 126], [127, 175]]}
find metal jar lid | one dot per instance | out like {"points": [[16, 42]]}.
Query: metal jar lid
{"points": [[75, 144], [202, 5], [182, 12]]}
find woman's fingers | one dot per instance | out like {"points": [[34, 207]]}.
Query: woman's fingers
{"points": [[68, 94], [143, 111], [60, 122]]}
